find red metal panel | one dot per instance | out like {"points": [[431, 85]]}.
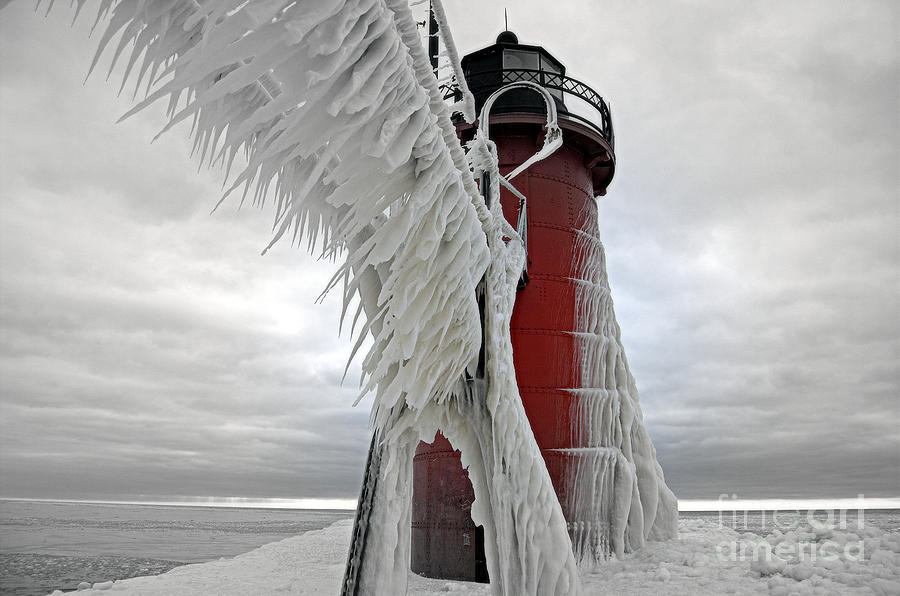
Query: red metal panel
{"points": [[445, 539], [548, 305], [550, 251], [566, 209], [551, 413], [543, 358]]}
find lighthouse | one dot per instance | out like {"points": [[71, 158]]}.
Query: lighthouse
{"points": [[569, 365]]}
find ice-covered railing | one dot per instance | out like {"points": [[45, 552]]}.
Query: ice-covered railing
{"points": [[444, 56], [598, 117]]}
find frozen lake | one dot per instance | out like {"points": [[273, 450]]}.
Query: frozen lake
{"points": [[55, 545]]}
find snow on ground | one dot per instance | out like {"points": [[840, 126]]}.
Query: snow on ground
{"points": [[706, 559]]}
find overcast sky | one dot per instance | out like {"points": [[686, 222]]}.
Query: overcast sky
{"points": [[751, 235]]}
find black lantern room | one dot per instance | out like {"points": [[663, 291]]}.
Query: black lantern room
{"points": [[581, 110], [508, 61]]}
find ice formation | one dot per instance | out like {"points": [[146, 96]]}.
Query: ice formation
{"points": [[334, 108], [617, 477], [526, 542]]}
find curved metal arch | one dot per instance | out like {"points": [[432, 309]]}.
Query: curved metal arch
{"points": [[552, 140]]}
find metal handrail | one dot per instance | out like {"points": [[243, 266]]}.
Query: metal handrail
{"points": [[549, 80]]}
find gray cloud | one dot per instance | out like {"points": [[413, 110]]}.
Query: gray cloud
{"points": [[751, 238], [147, 347]]}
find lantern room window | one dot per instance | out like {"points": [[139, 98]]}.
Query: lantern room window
{"points": [[529, 60], [517, 59]]}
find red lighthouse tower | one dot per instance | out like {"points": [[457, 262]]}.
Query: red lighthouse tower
{"points": [[555, 328]]}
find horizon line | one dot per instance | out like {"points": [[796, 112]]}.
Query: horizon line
{"points": [[216, 502], [684, 505], [860, 502]]}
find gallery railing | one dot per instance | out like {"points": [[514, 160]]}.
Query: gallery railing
{"points": [[551, 81]]}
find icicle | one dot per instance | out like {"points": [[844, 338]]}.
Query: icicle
{"points": [[631, 501]]}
